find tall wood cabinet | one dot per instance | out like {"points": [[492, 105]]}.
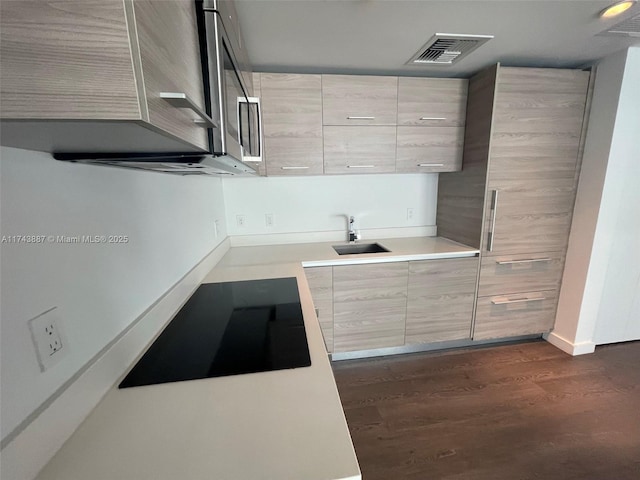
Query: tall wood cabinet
{"points": [[100, 66], [514, 197]]}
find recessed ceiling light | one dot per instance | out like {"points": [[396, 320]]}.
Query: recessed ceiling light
{"points": [[617, 8]]}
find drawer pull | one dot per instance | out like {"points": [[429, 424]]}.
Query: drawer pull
{"points": [[361, 166], [182, 100], [361, 118], [505, 300], [494, 209], [524, 260], [293, 168], [431, 164], [433, 118]]}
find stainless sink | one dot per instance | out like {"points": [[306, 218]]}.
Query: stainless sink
{"points": [[357, 248]]}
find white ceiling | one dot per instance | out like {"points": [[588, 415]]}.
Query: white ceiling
{"points": [[380, 36]]}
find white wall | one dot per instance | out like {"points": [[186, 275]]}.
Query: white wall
{"points": [[99, 289], [618, 238], [315, 208], [600, 280]]}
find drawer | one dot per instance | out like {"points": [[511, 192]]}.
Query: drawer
{"points": [[506, 274], [512, 315]]}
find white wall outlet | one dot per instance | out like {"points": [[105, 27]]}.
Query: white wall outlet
{"points": [[410, 213], [240, 220], [47, 338], [216, 228], [268, 219]]}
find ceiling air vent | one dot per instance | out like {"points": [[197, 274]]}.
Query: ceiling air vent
{"points": [[447, 48], [629, 27]]}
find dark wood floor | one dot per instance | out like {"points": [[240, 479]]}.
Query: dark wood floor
{"points": [[516, 412]]}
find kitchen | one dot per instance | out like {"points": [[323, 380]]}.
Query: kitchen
{"points": [[127, 291]]}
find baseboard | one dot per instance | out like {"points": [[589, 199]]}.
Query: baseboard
{"points": [[36, 440], [330, 236], [566, 346]]}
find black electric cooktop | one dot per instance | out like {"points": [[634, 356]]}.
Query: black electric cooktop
{"points": [[225, 329]]}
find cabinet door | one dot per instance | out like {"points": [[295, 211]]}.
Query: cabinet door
{"points": [[440, 300], [512, 315], [363, 149], [534, 149], [170, 54], [435, 102], [292, 123], [321, 285], [369, 306], [429, 149], [359, 100], [66, 60]]}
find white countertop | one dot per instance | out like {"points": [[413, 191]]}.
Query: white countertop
{"points": [[285, 424]]}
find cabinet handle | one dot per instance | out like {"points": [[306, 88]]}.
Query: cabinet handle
{"points": [[361, 166], [431, 164], [505, 300], [293, 168], [433, 118], [494, 209], [182, 100], [361, 118], [524, 260]]}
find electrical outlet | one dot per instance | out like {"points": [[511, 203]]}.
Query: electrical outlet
{"points": [[216, 228], [268, 219], [240, 220], [410, 213], [47, 338]]}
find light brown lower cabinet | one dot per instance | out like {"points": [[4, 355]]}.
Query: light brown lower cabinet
{"points": [[320, 281], [364, 307], [517, 314], [440, 300], [369, 306]]}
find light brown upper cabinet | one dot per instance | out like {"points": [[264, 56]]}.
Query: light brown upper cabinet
{"points": [[432, 102], [361, 149], [100, 66], [292, 123], [359, 100], [431, 117]]}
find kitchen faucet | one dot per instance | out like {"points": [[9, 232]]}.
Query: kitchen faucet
{"points": [[353, 235]]}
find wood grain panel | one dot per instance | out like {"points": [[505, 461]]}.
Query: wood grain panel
{"points": [[496, 279], [292, 122], [440, 300], [534, 151], [320, 281], [369, 306], [439, 318], [346, 96], [444, 98], [359, 149], [538, 80], [66, 60], [461, 195], [422, 149], [508, 320], [170, 56]]}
